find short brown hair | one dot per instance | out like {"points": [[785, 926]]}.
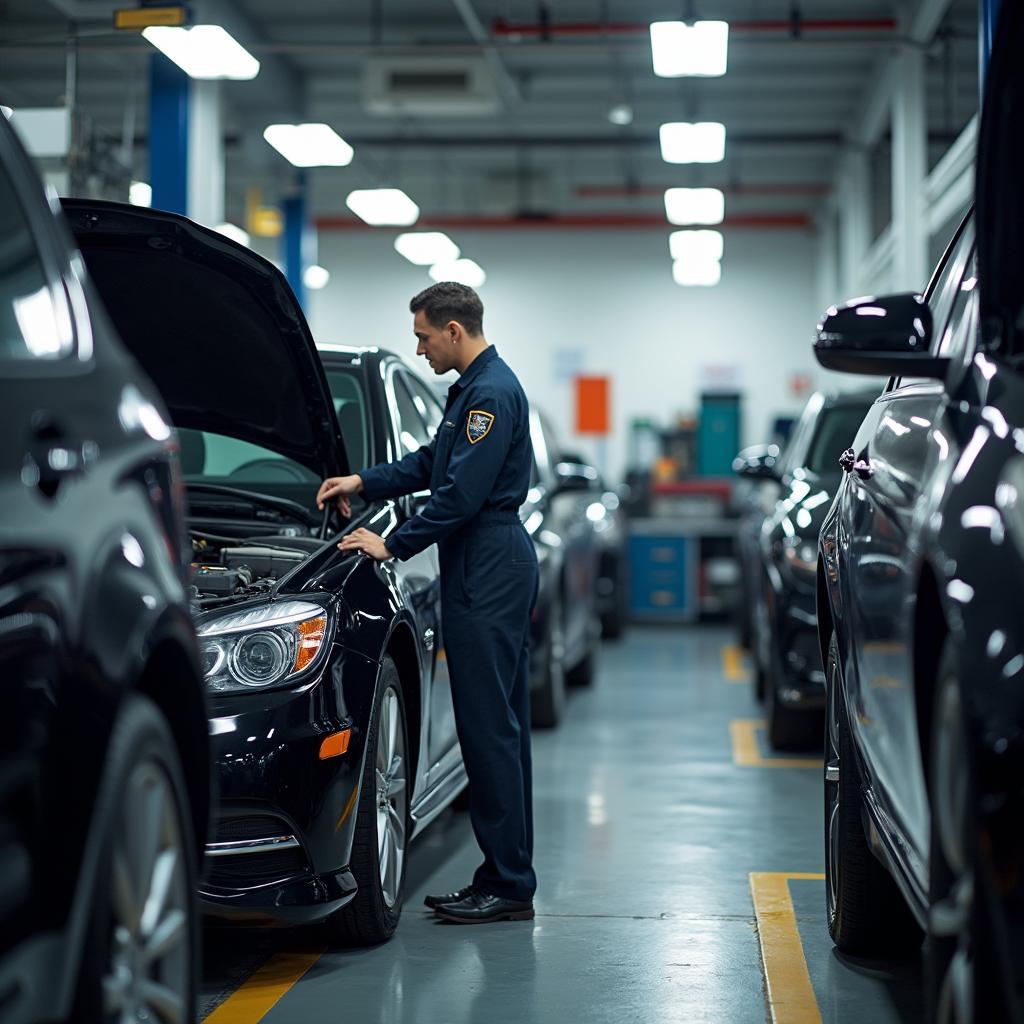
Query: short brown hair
{"points": [[447, 301]]}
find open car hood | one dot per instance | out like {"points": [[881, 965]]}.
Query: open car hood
{"points": [[215, 326]]}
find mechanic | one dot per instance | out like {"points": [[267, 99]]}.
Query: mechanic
{"points": [[478, 470]]}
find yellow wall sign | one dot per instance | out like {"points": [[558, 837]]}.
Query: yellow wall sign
{"points": [[143, 17]]}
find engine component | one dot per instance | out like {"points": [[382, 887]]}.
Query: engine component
{"points": [[262, 561], [219, 580]]}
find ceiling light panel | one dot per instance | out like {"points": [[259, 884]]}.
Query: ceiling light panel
{"points": [[697, 273], [702, 142], [204, 51], [382, 207], [696, 246], [700, 49], [233, 231], [427, 247], [315, 277], [466, 272], [309, 145], [695, 205]]}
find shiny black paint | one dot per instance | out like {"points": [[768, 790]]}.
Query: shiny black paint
{"points": [[92, 606], [927, 546]]}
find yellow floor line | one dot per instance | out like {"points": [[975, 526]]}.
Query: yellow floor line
{"points": [[746, 750], [790, 995], [257, 996], [732, 664]]}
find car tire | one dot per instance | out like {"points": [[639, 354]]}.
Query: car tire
{"points": [[584, 671], [955, 945], [760, 631], [613, 622], [380, 843], [865, 911], [143, 914], [788, 728], [547, 701]]}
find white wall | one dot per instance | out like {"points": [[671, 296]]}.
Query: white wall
{"points": [[609, 297]]}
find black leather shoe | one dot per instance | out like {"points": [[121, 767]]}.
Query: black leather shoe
{"points": [[480, 908], [451, 897]]}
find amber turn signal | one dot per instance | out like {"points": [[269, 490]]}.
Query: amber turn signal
{"points": [[335, 744]]}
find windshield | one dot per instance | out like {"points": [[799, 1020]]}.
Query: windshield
{"points": [[209, 458], [834, 432], [350, 408]]}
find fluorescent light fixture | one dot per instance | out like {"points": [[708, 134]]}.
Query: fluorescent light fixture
{"points": [[465, 272], [700, 49], [695, 205], [140, 193], [697, 273], [696, 246], [620, 113], [383, 206], [315, 277], [233, 231], [310, 145], [699, 143], [426, 247], [204, 51]]}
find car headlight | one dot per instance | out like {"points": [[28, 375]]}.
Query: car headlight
{"points": [[262, 646]]}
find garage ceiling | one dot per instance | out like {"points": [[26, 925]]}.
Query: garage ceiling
{"points": [[792, 90]]}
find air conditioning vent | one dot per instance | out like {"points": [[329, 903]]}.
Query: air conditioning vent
{"points": [[434, 86]]}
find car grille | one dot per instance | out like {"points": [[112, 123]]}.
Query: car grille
{"points": [[252, 869], [256, 826]]}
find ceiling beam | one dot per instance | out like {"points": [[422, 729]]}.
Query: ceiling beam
{"points": [[475, 27], [925, 18]]}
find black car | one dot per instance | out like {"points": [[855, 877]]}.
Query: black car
{"points": [[921, 602], [607, 515], [104, 758], [787, 663], [566, 629], [331, 723]]}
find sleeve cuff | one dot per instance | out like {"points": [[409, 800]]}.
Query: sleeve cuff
{"points": [[399, 546], [371, 481]]}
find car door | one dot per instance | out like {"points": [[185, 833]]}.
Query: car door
{"points": [[417, 419], [902, 439], [48, 499]]}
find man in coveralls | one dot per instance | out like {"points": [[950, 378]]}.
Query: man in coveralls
{"points": [[478, 470]]}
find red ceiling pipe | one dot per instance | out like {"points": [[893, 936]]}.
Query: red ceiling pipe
{"points": [[813, 188], [596, 221], [503, 29]]}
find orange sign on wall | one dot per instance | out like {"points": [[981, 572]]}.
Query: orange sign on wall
{"points": [[593, 396]]}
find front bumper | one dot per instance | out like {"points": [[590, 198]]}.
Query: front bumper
{"points": [[282, 839]]}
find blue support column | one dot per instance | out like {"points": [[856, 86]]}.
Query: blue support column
{"points": [[295, 231], [988, 13], [169, 99]]}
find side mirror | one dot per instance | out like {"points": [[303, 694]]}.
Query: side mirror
{"points": [[882, 337], [575, 476], [759, 460]]}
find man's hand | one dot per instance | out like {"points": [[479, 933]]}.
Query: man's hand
{"points": [[341, 488], [368, 542]]}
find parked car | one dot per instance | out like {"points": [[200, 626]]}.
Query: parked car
{"points": [[607, 514], [921, 602], [787, 663], [104, 758], [566, 630], [331, 723]]}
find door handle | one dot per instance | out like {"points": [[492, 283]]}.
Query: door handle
{"points": [[847, 459]]}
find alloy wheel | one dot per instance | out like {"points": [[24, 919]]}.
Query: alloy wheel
{"points": [[952, 914], [147, 976], [392, 796]]}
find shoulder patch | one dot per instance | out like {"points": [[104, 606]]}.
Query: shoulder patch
{"points": [[478, 424]]}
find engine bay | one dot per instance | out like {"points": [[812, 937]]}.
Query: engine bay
{"points": [[226, 571]]}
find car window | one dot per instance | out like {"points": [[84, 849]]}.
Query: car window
{"points": [[834, 432], [957, 336], [426, 403], [350, 408], [413, 430], [214, 458], [34, 319]]}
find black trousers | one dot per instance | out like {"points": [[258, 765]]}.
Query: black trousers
{"points": [[488, 590]]}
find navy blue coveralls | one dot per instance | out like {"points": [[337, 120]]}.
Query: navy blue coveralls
{"points": [[478, 471]]}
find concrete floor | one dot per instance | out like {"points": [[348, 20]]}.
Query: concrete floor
{"points": [[647, 833]]}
